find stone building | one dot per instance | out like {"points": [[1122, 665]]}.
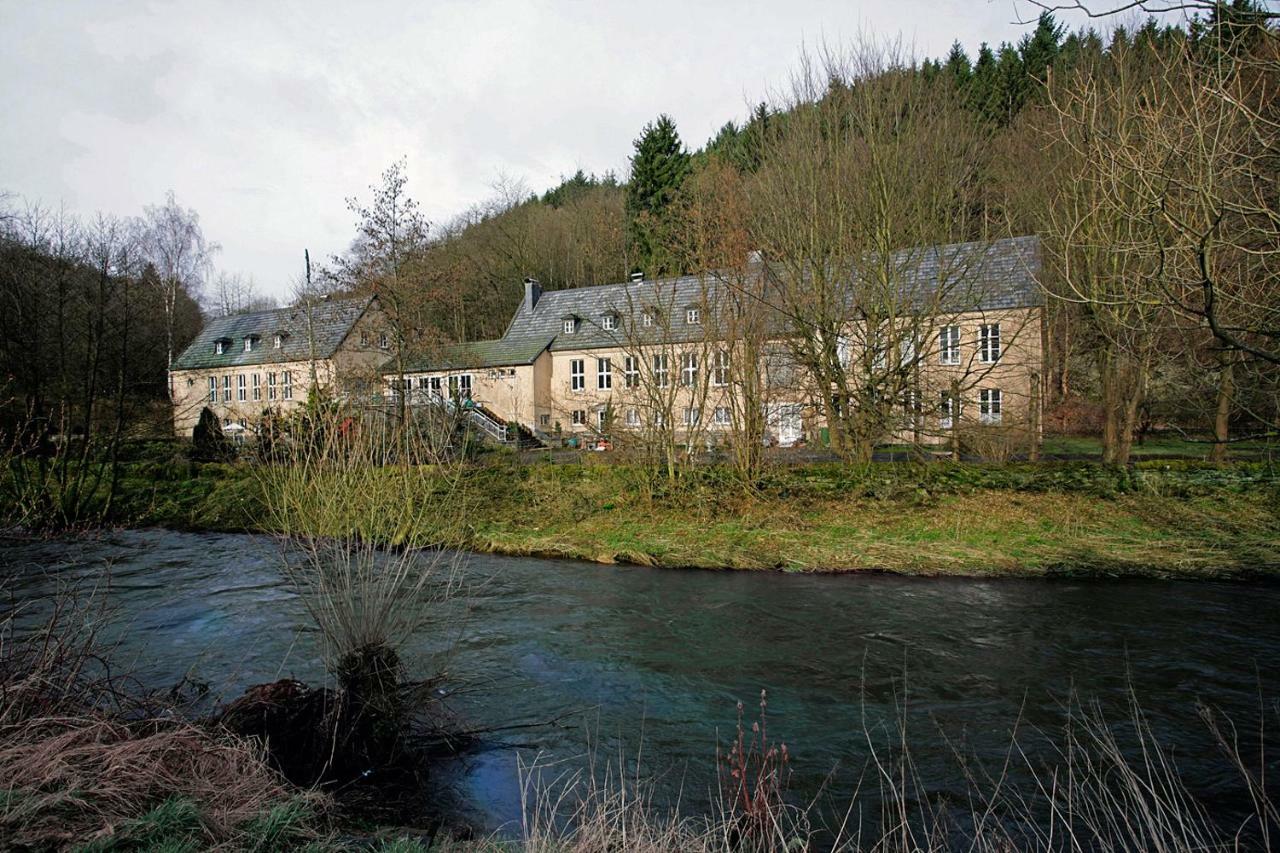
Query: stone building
{"points": [[963, 346], [244, 364]]}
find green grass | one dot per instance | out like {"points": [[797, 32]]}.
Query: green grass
{"points": [[1167, 517], [1156, 446]]}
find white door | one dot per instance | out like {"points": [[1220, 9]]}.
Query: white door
{"points": [[786, 424]]}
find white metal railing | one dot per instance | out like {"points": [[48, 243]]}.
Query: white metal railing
{"points": [[491, 427]]}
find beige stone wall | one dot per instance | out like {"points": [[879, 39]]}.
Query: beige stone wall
{"points": [[542, 395], [191, 391]]}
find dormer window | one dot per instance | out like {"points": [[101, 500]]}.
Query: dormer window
{"points": [[570, 325], [647, 317], [383, 341], [278, 343], [250, 343], [693, 316], [220, 346], [609, 321]]}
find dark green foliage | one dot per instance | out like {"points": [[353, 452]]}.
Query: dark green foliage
{"points": [[208, 443], [658, 169], [957, 68]]}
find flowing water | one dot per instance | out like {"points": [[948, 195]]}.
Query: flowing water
{"points": [[648, 664]]}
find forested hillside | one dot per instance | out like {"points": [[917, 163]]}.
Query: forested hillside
{"points": [[1143, 156]]}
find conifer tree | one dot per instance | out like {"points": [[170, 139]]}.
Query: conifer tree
{"points": [[658, 168], [957, 67]]}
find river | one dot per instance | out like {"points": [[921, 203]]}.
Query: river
{"points": [[650, 664]]}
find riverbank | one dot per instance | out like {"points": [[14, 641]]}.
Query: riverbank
{"points": [[1166, 519]]}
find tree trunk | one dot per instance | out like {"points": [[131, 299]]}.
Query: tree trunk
{"points": [[1222, 417]]}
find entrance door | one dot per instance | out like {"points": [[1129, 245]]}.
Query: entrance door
{"points": [[786, 423]]}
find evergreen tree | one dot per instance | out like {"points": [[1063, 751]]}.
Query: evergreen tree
{"points": [[984, 82], [1012, 85], [1040, 49], [957, 67], [658, 168]]}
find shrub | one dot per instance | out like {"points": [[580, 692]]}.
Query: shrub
{"points": [[208, 443]]}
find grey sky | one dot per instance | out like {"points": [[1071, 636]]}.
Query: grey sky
{"points": [[265, 116]]}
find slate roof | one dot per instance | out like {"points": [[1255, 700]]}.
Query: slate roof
{"points": [[979, 276], [330, 322], [496, 353]]}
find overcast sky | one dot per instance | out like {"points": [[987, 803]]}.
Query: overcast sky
{"points": [[265, 116]]}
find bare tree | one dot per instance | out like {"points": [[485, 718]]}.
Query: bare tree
{"points": [[177, 249], [233, 293]]}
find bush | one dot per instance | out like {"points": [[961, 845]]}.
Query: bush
{"points": [[208, 443]]}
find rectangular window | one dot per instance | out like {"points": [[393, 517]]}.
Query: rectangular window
{"points": [[646, 319], [720, 369], [226, 389], [604, 374], [568, 326], [219, 347], [271, 386], [631, 371], [661, 371], [689, 369], [577, 375], [383, 341], [248, 344], [579, 417], [602, 420], [240, 395], [279, 341], [989, 404], [989, 343], [907, 352], [948, 409], [633, 418], [660, 419], [464, 386], [608, 322], [286, 385], [693, 316], [364, 339], [722, 416], [949, 345], [257, 387], [435, 386], [213, 389], [692, 416], [544, 421]]}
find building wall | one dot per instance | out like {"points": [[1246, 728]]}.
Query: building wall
{"points": [[542, 396], [191, 391]]}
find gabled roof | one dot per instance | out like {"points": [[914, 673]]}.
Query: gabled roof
{"points": [[326, 322], [978, 276]]}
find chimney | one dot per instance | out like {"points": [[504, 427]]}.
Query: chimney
{"points": [[532, 293], [637, 277]]}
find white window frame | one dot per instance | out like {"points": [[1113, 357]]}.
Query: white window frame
{"points": [[464, 386], [633, 417], [948, 409], [383, 341], [279, 342], [436, 387], [692, 416], [989, 343], [693, 316], [604, 374], [248, 344], [646, 318], [226, 388], [720, 369], [662, 370], [219, 347], [689, 369], [949, 345], [609, 322], [721, 416], [631, 371], [241, 395], [286, 386], [577, 375], [601, 417], [579, 417], [271, 386], [213, 389], [570, 325], [990, 406], [257, 387]]}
